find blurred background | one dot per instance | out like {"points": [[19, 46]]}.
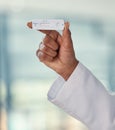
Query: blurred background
{"points": [[24, 81]]}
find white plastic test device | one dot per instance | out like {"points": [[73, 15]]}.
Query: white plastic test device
{"points": [[48, 24]]}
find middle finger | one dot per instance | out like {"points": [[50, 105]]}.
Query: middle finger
{"points": [[47, 50], [51, 43]]}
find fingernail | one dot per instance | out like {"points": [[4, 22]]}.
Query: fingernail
{"points": [[40, 53], [42, 46], [67, 24]]}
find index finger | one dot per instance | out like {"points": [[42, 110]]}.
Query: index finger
{"points": [[52, 33]]}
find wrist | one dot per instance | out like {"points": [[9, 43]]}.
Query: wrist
{"points": [[69, 70]]}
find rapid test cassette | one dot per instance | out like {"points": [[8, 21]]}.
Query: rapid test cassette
{"points": [[48, 24]]}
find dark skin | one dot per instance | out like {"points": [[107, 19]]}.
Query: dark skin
{"points": [[57, 52]]}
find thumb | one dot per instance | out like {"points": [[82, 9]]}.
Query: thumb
{"points": [[66, 30], [66, 35]]}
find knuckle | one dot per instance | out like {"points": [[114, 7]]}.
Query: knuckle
{"points": [[45, 49]]}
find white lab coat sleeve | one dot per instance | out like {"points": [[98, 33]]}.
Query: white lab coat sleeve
{"points": [[85, 98]]}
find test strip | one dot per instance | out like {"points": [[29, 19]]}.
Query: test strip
{"points": [[48, 24]]}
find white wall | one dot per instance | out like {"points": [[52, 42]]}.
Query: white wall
{"points": [[102, 9]]}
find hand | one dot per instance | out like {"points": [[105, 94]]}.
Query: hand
{"points": [[57, 52]]}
